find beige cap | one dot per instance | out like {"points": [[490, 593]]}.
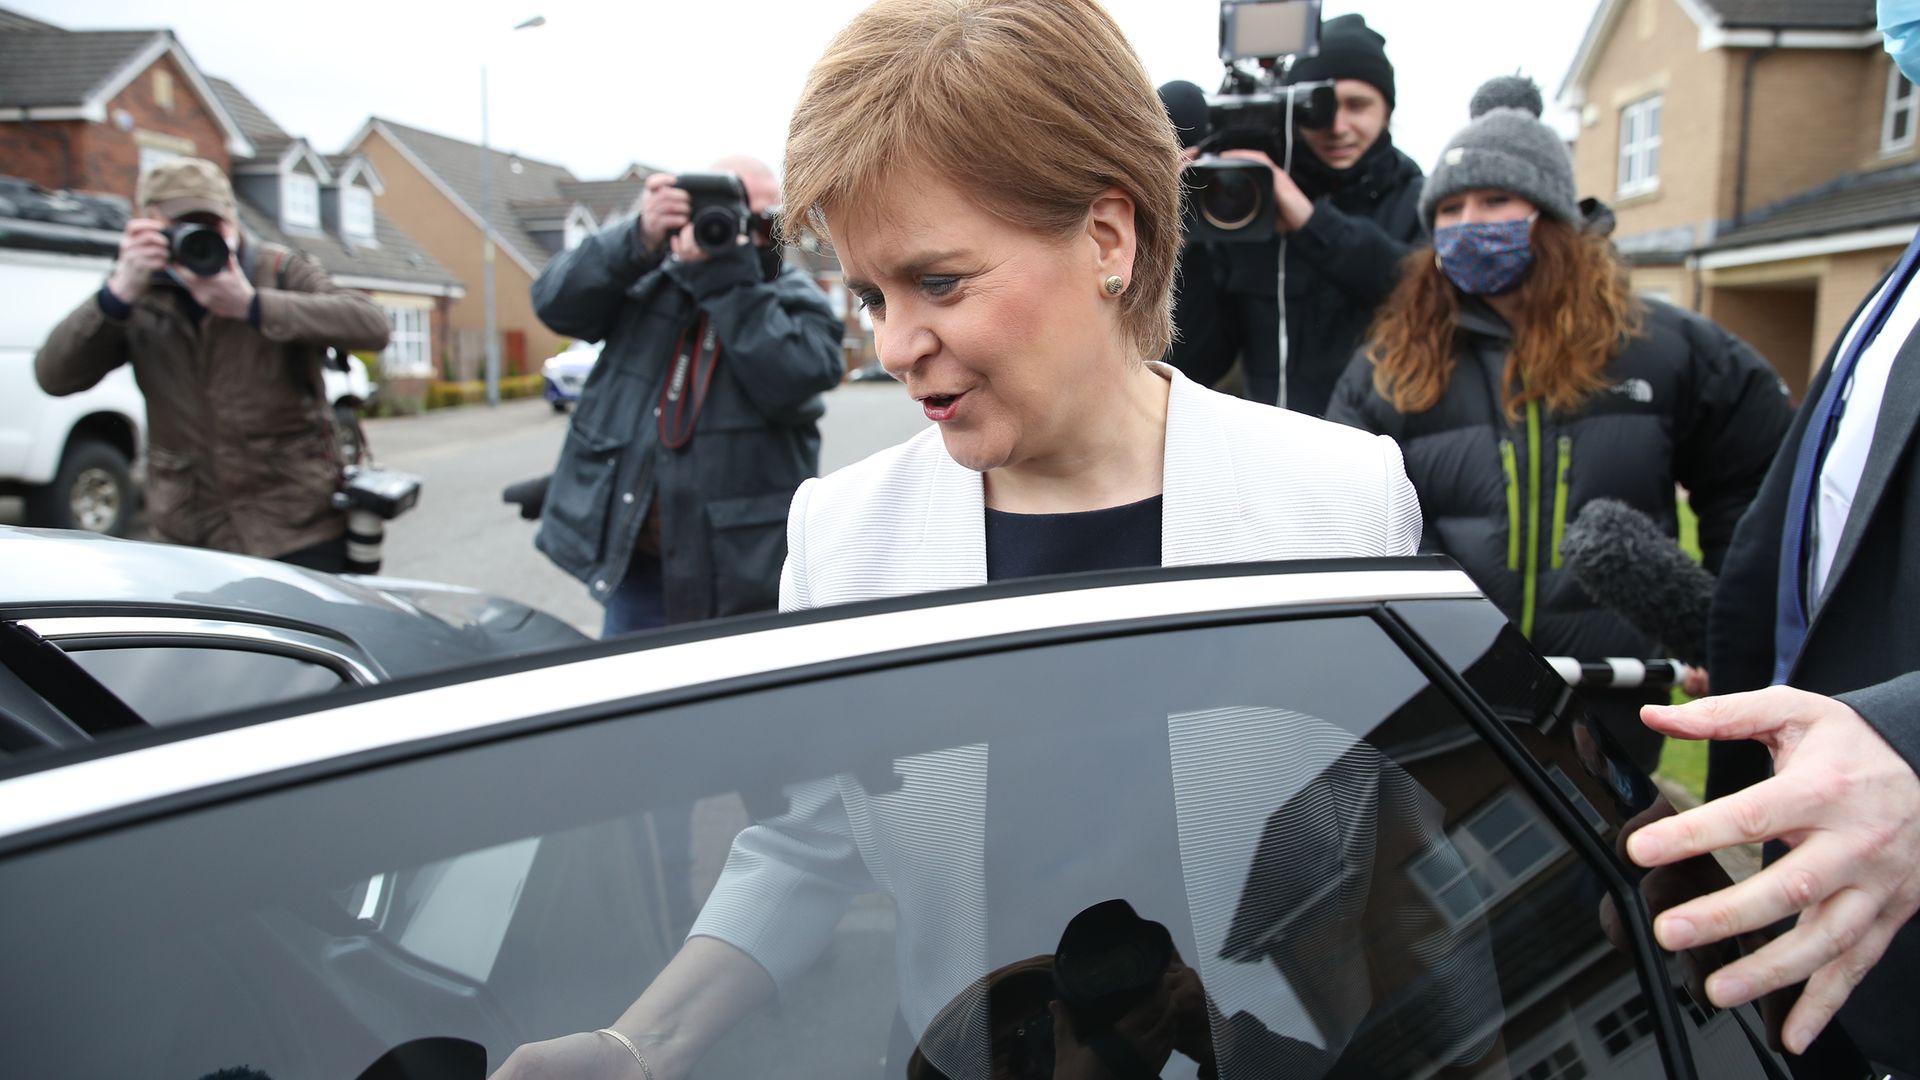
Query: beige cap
{"points": [[187, 186]]}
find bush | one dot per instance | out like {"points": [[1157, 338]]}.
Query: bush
{"points": [[443, 395]]}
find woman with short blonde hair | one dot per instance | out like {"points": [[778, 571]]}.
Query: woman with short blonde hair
{"points": [[1002, 187]]}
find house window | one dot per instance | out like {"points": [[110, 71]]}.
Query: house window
{"points": [[1494, 851], [1624, 1027], [578, 228], [1896, 126], [300, 201], [356, 212], [410, 348], [163, 90], [1561, 1063], [1640, 146]]}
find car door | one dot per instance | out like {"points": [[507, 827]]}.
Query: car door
{"points": [[1359, 813]]}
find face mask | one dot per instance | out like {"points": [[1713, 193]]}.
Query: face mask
{"points": [[1900, 25], [1486, 258]]}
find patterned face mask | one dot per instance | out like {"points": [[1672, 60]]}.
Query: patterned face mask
{"points": [[1486, 258]]}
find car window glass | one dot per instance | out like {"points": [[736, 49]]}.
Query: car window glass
{"points": [[1327, 871], [167, 684]]}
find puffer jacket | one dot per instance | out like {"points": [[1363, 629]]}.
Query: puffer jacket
{"points": [[1686, 402], [240, 445], [723, 497]]}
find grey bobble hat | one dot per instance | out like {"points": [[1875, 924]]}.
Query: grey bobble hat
{"points": [[1507, 148]]}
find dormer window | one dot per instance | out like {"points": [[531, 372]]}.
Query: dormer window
{"points": [[356, 212], [299, 201]]}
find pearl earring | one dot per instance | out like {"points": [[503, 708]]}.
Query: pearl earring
{"points": [[1115, 285]]}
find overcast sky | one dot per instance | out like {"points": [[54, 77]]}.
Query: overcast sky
{"points": [[678, 83]]}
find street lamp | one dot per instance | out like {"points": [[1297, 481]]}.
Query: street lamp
{"points": [[486, 227]]}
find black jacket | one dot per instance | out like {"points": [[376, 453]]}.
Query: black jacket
{"points": [[1863, 647], [723, 498], [1687, 403], [1340, 268]]}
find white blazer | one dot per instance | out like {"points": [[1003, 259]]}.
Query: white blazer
{"points": [[1242, 483]]}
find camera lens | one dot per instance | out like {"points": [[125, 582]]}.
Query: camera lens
{"points": [[716, 228], [200, 249], [1230, 200]]}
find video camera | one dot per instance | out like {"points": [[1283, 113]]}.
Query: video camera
{"points": [[1229, 199], [721, 214]]}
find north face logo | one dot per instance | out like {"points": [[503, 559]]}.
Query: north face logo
{"points": [[1634, 390]]}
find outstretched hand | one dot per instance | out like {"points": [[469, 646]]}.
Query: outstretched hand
{"points": [[1845, 802]]}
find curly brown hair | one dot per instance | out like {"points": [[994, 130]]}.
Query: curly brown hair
{"points": [[1576, 310]]}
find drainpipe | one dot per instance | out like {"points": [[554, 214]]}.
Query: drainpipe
{"points": [[1746, 129]]}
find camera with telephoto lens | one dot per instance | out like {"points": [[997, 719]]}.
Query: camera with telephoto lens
{"points": [[1229, 199], [199, 248], [372, 495]]}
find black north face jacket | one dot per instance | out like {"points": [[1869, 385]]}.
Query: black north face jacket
{"points": [[1686, 403]]}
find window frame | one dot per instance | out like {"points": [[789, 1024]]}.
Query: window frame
{"points": [[299, 200], [1897, 107], [357, 213], [1637, 161], [409, 351]]}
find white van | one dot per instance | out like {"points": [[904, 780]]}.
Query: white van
{"points": [[72, 457]]}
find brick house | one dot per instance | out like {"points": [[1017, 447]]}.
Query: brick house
{"points": [[88, 110], [434, 183], [1760, 156], [85, 111]]}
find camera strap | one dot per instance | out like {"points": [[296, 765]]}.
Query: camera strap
{"points": [[685, 392]]}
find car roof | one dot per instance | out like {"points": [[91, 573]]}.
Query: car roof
{"points": [[479, 703], [400, 627], [71, 567]]}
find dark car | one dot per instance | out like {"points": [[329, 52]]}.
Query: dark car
{"points": [[1345, 803], [177, 633]]}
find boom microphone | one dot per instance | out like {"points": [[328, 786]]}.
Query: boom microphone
{"points": [[1631, 568], [1186, 106]]}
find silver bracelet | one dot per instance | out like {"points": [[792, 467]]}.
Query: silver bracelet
{"points": [[645, 1069]]}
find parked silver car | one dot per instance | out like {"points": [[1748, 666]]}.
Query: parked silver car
{"points": [[178, 633], [1371, 828]]}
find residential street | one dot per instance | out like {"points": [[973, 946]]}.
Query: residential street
{"points": [[463, 533]]}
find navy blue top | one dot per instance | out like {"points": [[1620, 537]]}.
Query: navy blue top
{"points": [[1093, 847], [1033, 545]]}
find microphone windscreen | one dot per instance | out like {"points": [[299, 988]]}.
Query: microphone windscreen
{"points": [[1187, 107], [1630, 567]]}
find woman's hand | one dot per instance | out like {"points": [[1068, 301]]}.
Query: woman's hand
{"points": [[584, 1055]]}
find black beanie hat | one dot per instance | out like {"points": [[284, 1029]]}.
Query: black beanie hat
{"points": [[1349, 49]]}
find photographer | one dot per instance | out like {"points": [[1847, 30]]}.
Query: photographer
{"points": [[1347, 213], [698, 422], [226, 337]]}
